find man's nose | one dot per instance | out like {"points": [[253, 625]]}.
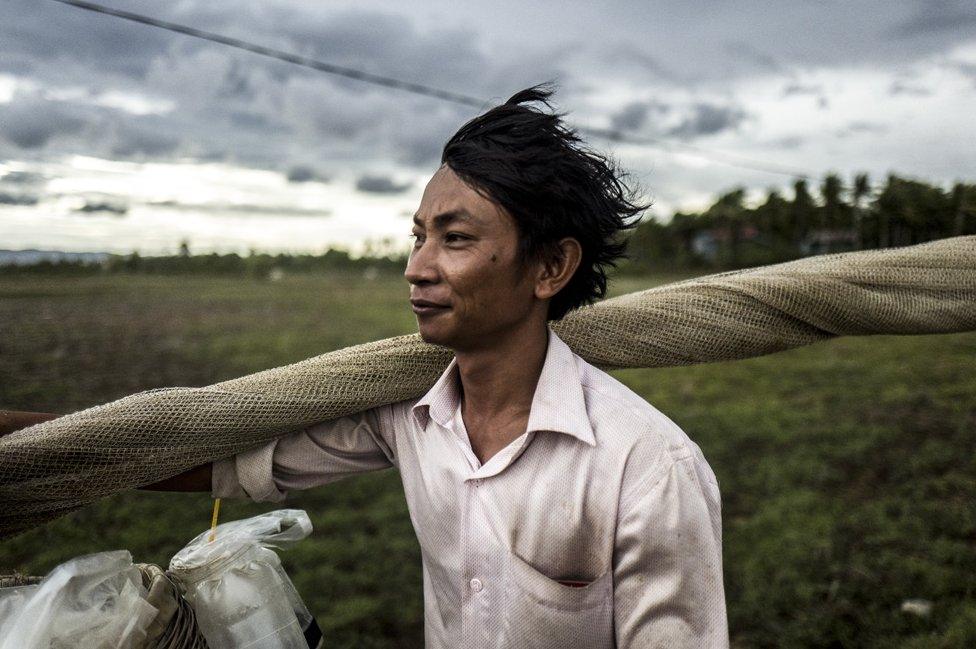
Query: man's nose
{"points": [[421, 265]]}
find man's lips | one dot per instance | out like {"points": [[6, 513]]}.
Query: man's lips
{"points": [[424, 307]]}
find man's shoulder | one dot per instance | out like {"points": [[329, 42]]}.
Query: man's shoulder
{"points": [[401, 408], [622, 419], [608, 398], [625, 425]]}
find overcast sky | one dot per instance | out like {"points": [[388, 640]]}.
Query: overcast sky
{"points": [[116, 136]]}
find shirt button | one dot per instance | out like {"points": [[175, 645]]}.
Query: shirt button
{"points": [[476, 585]]}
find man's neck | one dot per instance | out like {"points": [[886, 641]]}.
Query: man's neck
{"points": [[497, 386]]}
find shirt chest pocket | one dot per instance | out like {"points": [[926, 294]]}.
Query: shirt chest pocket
{"points": [[541, 613]]}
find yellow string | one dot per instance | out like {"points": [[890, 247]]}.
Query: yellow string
{"points": [[213, 521]]}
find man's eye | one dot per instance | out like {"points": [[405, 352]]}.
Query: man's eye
{"points": [[455, 236]]}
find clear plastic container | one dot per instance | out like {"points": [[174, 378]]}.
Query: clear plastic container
{"points": [[241, 594]]}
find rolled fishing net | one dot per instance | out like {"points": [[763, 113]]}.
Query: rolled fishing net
{"points": [[52, 468]]}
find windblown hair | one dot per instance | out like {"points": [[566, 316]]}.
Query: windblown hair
{"points": [[530, 163]]}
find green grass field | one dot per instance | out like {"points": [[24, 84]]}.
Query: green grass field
{"points": [[847, 469]]}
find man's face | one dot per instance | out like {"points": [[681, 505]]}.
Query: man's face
{"points": [[465, 258]]}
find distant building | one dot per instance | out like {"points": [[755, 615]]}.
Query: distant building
{"points": [[34, 257], [819, 242], [707, 244]]}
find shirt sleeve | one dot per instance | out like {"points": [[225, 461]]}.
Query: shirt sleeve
{"points": [[309, 457], [667, 566]]}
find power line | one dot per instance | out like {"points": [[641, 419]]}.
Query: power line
{"points": [[719, 157], [315, 64], [428, 91]]}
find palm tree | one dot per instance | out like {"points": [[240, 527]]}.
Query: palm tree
{"points": [[802, 211], [831, 190], [958, 208], [727, 214], [862, 188]]}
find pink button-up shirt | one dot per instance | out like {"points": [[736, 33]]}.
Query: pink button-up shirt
{"points": [[599, 526]]}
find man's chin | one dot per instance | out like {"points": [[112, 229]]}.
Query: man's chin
{"points": [[433, 335]]}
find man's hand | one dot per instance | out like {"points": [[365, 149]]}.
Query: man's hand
{"points": [[196, 479]]}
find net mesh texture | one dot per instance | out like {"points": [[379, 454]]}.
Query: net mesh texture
{"points": [[52, 468]]}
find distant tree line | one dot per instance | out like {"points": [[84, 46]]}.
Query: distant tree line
{"points": [[726, 235], [844, 217], [255, 264]]}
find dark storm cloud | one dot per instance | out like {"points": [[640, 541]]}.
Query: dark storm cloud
{"points": [[242, 209], [314, 107], [788, 143], [34, 122], [858, 127], [238, 107], [630, 59], [18, 198], [419, 149], [384, 43], [23, 178], [97, 206], [794, 88], [903, 88], [667, 41], [631, 117], [47, 36], [248, 120], [721, 42], [371, 184], [708, 119], [305, 174], [754, 56], [303, 113], [937, 17], [30, 122], [634, 115], [230, 104], [418, 140], [966, 69], [143, 138]]}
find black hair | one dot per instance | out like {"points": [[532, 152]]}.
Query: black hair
{"points": [[530, 163]]}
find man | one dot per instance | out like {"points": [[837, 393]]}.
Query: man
{"points": [[554, 507]]}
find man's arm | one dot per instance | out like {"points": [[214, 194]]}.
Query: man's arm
{"points": [[312, 456], [667, 567], [196, 479], [11, 420], [309, 457]]}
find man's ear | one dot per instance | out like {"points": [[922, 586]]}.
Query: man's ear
{"points": [[558, 267]]}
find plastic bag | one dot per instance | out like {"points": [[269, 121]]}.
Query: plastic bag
{"points": [[12, 601], [96, 601], [237, 587]]}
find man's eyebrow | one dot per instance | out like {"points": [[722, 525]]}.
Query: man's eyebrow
{"points": [[444, 218]]}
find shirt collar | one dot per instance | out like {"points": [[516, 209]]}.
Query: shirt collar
{"points": [[558, 404]]}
